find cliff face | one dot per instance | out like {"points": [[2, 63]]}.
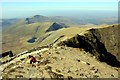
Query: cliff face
{"points": [[100, 42], [56, 26], [110, 37]]}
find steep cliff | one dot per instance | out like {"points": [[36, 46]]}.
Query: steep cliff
{"points": [[100, 42]]}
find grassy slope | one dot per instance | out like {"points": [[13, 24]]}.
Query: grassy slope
{"points": [[15, 37], [68, 32]]}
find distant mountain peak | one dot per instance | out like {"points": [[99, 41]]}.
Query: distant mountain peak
{"points": [[37, 18]]}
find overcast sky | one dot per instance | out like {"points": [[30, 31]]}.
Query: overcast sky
{"points": [[23, 8]]}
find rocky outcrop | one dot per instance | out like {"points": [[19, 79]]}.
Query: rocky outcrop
{"points": [[56, 26], [100, 42], [6, 54]]}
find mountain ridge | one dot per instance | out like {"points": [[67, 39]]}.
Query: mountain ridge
{"points": [[87, 50]]}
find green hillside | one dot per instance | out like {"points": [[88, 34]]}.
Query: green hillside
{"points": [[22, 36], [15, 38]]}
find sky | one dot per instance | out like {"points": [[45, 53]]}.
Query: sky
{"points": [[59, 0], [22, 8]]}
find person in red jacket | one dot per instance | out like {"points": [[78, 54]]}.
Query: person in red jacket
{"points": [[32, 59]]}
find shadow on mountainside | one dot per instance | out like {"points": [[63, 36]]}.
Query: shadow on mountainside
{"points": [[91, 43]]}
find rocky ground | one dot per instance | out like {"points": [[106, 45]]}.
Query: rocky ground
{"points": [[58, 62]]}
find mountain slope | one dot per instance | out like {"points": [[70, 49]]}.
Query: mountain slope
{"points": [[15, 38], [98, 43], [24, 36], [81, 54], [20, 33]]}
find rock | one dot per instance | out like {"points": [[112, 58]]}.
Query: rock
{"points": [[6, 54], [95, 76], [22, 59], [18, 76], [94, 57], [88, 63], [96, 70], [58, 70], [61, 58], [78, 60], [83, 62], [76, 70], [81, 74], [69, 77], [112, 75], [93, 68]]}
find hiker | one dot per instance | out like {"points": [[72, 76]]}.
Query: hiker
{"points": [[32, 59]]}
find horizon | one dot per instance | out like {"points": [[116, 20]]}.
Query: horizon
{"points": [[27, 9]]}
